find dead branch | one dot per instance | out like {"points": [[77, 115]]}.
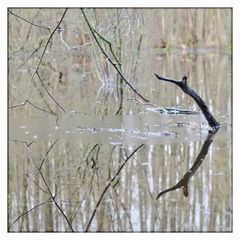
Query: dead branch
{"points": [[38, 65], [109, 59], [43, 53], [49, 92], [110, 46], [27, 101], [32, 54], [33, 24], [189, 91]]}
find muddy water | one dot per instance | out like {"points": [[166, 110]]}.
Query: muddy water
{"points": [[90, 169]]}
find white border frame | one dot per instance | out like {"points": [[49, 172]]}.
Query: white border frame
{"points": [[120, 3]]}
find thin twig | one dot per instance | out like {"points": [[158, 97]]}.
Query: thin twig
{"points": [[53, 196], [36, 184], [41, 58], [28, 211], [37, 68], [137, 57], [49, 92], [108, 186], [109, 44], [21, 141], [27, 101], [32, 54], [47, 154], [151, 197], [110, 60], [49, 39], [34, 24]]}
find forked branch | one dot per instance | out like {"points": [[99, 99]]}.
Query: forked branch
{"points": [[94, 34]]}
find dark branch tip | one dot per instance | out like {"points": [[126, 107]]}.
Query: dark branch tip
{"points": [[184, 80]]}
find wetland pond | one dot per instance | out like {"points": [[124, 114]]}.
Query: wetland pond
{"points": [[99, 163]]}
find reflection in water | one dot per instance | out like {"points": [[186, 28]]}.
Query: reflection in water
{"points": [[109, 184], [88, 170], [183, 183], [99, 187], [87, 156]]}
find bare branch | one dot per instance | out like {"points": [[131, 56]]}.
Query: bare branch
{"points": [[36, 184], [42, 55], [21, 141], [49, 93], [52, 196], [110, 46], [32, 54], [108, 186], [47, 154], [34, 24], [27, 212], [189, 91], [37, 73], [49, 39], [110, 60], [27, 101]]}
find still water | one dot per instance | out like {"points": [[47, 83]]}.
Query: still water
{"points": [[90, 150], [90, 169]]}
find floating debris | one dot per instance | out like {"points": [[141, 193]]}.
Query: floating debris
{"points": [[173, 110]]}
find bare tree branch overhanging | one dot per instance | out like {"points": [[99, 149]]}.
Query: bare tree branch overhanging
{"points": [[189, 91]]}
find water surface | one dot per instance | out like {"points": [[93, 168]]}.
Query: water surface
{"points": [[92, 169]]}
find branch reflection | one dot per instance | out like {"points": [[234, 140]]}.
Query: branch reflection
{"points": [[183, 183]]}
